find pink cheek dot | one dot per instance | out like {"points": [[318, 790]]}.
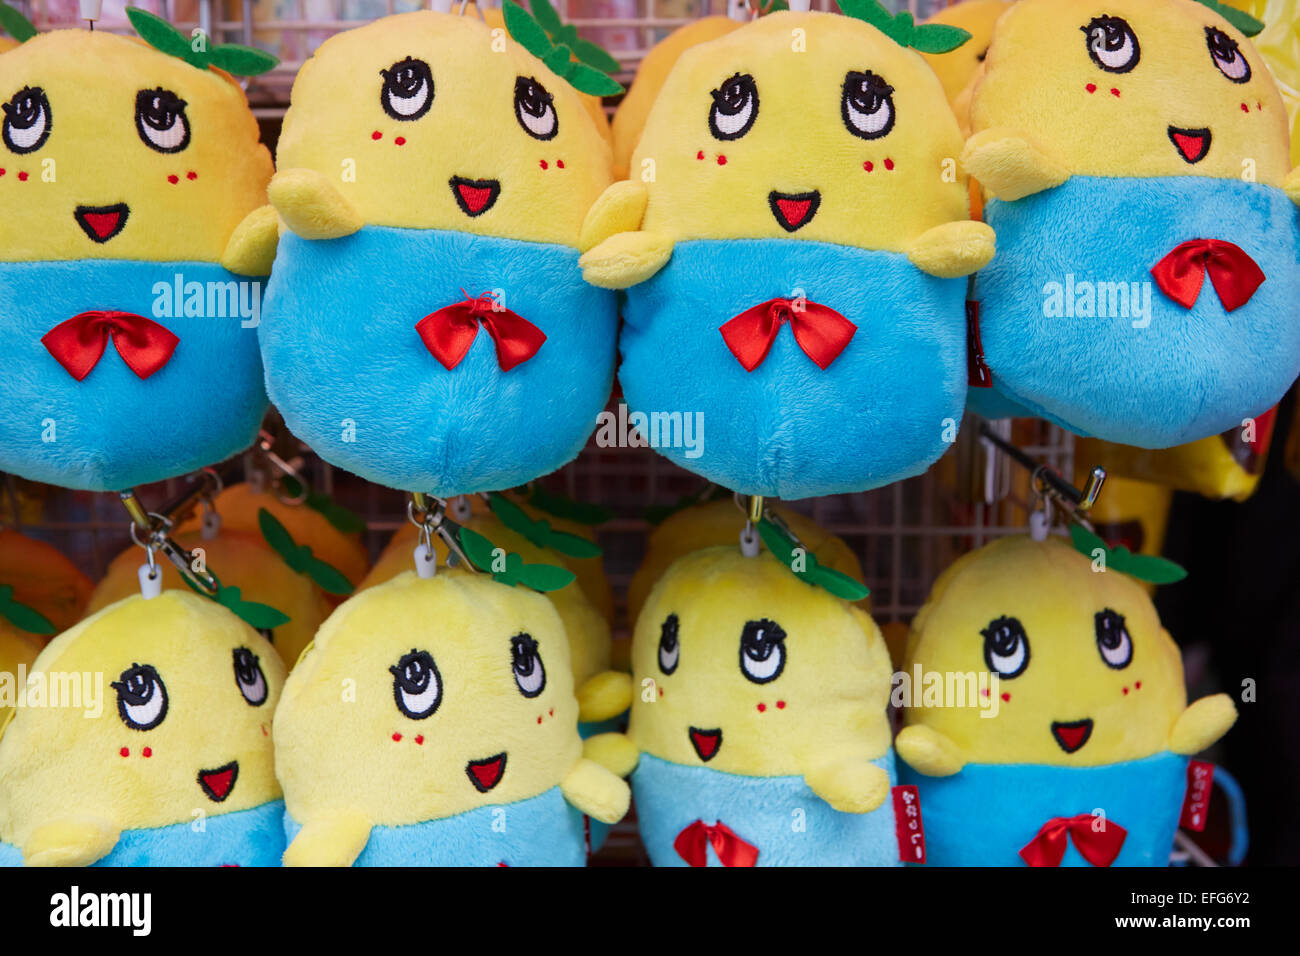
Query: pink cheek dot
{"points": [[559, 163], [552, 711], [1259, 105], [762, 707], [780, 705], [1124, 690], [985, 692], [376, 135], [397, 736], [148, 751], [722, 160], [661, 691], [1138, 685], [1245, 108], [889, 164], [265, 733], [700, 154], [539, 718], [543, 164], [2, 172], [1114, 92], [125, 752], [868, 165], [1091, 87], [420, 739], [22, 177], [1006, 696], [400, 141], [173, 179], [191, 175]]}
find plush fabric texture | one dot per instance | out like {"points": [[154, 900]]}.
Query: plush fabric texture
{"points": [[339, 341], [538, 831], [1221, 467], [191, 729], [956, 67], [984, 815], [43, 578], [252, 837], [789, 428], [781, 816], [1190, 373], [113, 430]]}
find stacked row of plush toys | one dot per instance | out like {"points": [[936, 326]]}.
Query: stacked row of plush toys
{"points": [[449, 252]]}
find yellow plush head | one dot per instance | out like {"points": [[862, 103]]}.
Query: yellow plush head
{"points": [[446, 124], [113, 150], [239, 560], [188, 692], [1134, 88], [806, 125], [754, 671], [43, 579], [1087, 675], [423, 698], [956, 67]]}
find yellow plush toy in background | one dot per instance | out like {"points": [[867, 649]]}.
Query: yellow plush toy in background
{"points": [[956, 68], [1077, 751], [154, 717], [457, 744], [131, 178], [763, 701], [42, 578], [239, 560], [857, 237]]}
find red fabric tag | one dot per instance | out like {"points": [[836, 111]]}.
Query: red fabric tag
{"points": [[1196, 803], [907, 824], [977, 372]]}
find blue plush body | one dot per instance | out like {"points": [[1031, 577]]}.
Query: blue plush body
{"points": [[984, 814], [541, 831], [766, 812], [114, 430], [252, 837], [877, 414], [352, 377], [1191, 372]]}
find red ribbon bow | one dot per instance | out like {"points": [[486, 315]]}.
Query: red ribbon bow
{"points": [[1098, 846], [821, 332], [692, 845], [1234, 274], [78, 344], [449, 332]]}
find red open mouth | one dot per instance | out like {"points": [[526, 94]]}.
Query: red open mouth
{"points": [[218, 783], [486, 773], [706, 742], [1072, 734], [1192, 144], [794, 210], [101, 223], [475, 196]]}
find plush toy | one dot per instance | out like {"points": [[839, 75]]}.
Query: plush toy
{"points": [[956, 67], [296, 605], [457, 744], [762, 720], [41, 578], [653, 70], [16, 25], [434, 177], [586, 628], [857, 239], [157, 751], [131, 181], [331, 531], [716, 523], [1076, 751], [1131, 514], [1134, 150]]}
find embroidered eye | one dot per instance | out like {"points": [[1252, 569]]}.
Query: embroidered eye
{"points": [[762, 651], [27, 120], [417, 685], [669, 649], [160, 120], [1227, 56], [530, 675], [867, 105], [249, 677], [141, 697], [1112, 44], [735, 107], [407, 92], [1006, 647], [535, 109], [1112, 639]]}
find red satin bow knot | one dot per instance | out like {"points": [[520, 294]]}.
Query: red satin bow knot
{"points": [[449, 332], [692, 845], [1098, 846], [78, 344], [821, 332], [1233, 273]]}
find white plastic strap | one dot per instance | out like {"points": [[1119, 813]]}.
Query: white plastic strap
{"points": [[91, 9], [211, 525], [426, 560], [1040, 522], [749, 541], [460, 509], [150, 581]]}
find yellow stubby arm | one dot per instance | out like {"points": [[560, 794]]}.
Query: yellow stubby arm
{"points": [[1291, 185], [615, 752], [1010, 165], [311, 206], [929, 752], [251, 247], [333, 840], [953, 249], [596, 791], [850, 783], [74, 841], [604, 695], [615, 252], [1202, 723]]}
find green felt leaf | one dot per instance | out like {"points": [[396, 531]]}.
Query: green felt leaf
{"points": [[836, 582], [20, 615], [776, 6], [164, 37], [561, 507], [594, 55], [546, 16], [814, 572], [477, 548], [1155, 570], [938, 38], [544, 577], [558, 60], [1240, 19], [540, 533], [299, 557], [586, 79], [243, 60], [524, 30], [18, 27], [341, 518], [539, 577], [777, 541], [255, 615]]}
